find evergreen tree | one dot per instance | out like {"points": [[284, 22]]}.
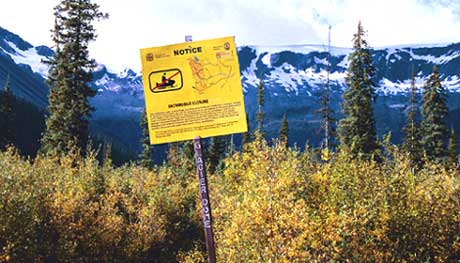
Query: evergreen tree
{"points": [[260, 103], [327, 119], [107, 154], [188, 154], [215, 152], [247, 135], [145, 158], [411, 144], [284, 129], [7, 115], [173, 154], [69, 76], [182, 155], [434, 112], [357, 129], [452, 147], [230, 145], [325, 111]]}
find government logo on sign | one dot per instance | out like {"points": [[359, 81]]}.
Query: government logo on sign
{"points": [[227, 46], [149, 57]]}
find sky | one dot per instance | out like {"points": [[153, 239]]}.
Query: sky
{"points": [[139, 24]]}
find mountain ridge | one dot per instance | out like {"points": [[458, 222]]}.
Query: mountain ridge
{"points": [[294, 77]]}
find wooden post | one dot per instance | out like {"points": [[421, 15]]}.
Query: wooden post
{"points": [[204, 193], [205, 202]]}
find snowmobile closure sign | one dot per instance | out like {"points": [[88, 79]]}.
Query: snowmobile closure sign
{"points": [[193, 89]]}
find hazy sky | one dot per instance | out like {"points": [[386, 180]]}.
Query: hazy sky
{"points": [[138, 24]]}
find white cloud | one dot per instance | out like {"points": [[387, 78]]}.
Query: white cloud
{"points": [[389, 22], [32, 20], [142, 23], [453, 5]]}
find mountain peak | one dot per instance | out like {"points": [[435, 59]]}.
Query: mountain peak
{"points": [[44, 51], [7, 37], [127, 73]]}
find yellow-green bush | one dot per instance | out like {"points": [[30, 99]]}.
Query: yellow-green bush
{"points": [[75, 211], [270, 204], [277, 205]]}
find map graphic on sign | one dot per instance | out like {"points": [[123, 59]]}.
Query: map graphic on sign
{"points": [[208, 75], [193, 89]]}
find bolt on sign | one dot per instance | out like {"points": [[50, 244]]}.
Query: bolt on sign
{"points": [[193, 89]]}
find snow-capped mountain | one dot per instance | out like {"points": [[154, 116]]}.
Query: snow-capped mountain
{"points": [[21, 61], [294, 78], [302, 69]]}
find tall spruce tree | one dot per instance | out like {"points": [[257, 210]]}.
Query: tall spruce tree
{"points": [[187, 155], [260, 103], [247, 135], [357, 128], [216, 152], [452, 147], [181, 155], [434, 113], [69, 76], [173, 154], [107, 154], [326, 112], [7, 116], [327, 118], [284, 130], [145, 158], [229, 145], [411, 144]]}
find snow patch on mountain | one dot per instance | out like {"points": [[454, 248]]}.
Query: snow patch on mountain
{"points": [[388, 87], [292, 79], [128, 73], [29, 57], [103, 81], [344, 63], [392, 52], [443, 59], [321, 61], [248, 76], [114, 88], [267, 60], [453, 83], [287, 77]]}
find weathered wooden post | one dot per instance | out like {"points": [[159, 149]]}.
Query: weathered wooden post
{"points": [[205, 201]]}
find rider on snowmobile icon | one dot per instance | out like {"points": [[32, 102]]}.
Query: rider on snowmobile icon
{"points": [[165, 82]]}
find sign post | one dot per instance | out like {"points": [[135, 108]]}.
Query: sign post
{"points": [[205, 201], [204, 194], [192, 91]]}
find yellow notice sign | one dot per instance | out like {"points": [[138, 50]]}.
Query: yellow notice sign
{"points": [[193, 89]]}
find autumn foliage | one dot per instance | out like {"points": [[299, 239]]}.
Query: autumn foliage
{"points": [[270, 204], [76, 211]]}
